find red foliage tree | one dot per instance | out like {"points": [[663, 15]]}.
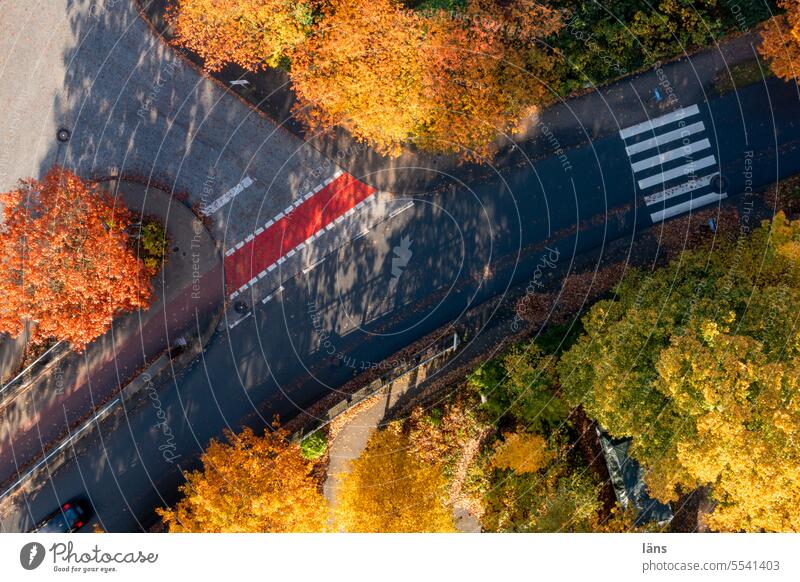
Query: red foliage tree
{"points": [[65, 260]]}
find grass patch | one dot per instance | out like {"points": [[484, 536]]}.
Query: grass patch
{"points": [[314, 446], [153, 244]]}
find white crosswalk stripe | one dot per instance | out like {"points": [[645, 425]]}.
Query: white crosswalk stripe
{"points": [[676, 154], [679, 172], [690, 204], [679, 190], [664, 138], [652, 124], [668, 149]]}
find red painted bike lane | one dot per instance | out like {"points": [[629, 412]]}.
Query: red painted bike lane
{"points": [[281, 236]]}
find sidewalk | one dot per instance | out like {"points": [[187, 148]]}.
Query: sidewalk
{"points": [[187, 295], [352, 430]]}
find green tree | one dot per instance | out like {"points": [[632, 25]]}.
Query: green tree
{"points": [[521, 384], [557, 499]]}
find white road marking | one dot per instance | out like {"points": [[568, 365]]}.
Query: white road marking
{"points": [[652, 124], [293, 251], [682, 152], [678, 172], [273, 294], [238, 321], [228, 196], [308, 269], [401, 210], [668, 137], [686, 140], [690, 186], [687, 206]]}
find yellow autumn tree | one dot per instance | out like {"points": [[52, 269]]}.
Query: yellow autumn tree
{"points": [[741, 415], [251, 33], [781, 41], [522, 453], [250, 484], [389, 489], [699, 363]]}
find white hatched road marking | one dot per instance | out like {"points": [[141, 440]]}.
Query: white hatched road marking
{"points": [[690, 204], [657, 122], [678, 172], [228, 196], [668, 137], [682, 152]]}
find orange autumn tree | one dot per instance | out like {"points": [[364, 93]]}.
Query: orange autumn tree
{"points": [[249, 485], [364, 69], [486, 72], [781, 41], [251, 33], [449, 82], [65, 260]]}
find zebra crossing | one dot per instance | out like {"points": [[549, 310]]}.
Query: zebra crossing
{"points": [[673, 163]]}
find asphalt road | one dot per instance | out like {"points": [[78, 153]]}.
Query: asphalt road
{"points": [[467, 244]]}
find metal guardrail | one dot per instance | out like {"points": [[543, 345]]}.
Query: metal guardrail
{"points": [[371, 389], [32, 370], [71, 437]]}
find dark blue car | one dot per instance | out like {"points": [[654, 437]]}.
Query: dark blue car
{"points": [[71, 517]]}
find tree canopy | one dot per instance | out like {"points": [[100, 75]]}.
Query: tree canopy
{"points": [[781, 41], [390, 489], [254, 34], [521, 384], [446, 81], [65, 260], [699, 363], [250, 484]]}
